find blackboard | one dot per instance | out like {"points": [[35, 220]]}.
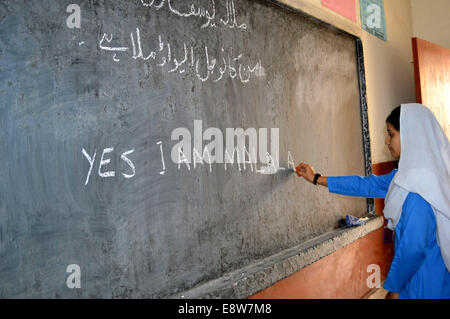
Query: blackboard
{"points": [[100, 120]]}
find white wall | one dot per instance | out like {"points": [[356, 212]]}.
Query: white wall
{"points": [[389, 73], [431, 20]]}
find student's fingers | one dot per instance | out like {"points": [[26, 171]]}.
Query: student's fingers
{"points": [[301, 170], [306, 171]]}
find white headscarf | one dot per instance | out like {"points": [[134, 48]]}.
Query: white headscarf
{"points": [[424, 168]]}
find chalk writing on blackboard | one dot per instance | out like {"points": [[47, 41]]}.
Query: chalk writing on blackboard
{"points": [[243, 160], [204, 65], [214, 152], [257, 140], [209, 14], [102, 172], [162, 158]]}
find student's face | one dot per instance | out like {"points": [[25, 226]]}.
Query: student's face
{"points": [[393, 141]]}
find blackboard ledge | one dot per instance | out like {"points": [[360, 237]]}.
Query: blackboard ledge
{"points": [[255, 277]]}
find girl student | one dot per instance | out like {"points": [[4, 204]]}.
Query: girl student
{"points": [[417, 202]]}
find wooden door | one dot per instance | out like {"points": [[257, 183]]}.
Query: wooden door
{"points": [[432, 76]]}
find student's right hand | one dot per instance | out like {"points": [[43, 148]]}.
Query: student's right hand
{"points": [[306, 171]]}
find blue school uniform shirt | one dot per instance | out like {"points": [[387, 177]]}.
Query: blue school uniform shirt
{"points": [[417, 270]]}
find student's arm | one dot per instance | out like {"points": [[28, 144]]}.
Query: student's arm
{"points": [[359, 186]]}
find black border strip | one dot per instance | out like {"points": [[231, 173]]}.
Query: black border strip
{"points": [[364, 117]]}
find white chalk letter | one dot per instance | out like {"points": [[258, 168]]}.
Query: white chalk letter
{"points": [[162, 158], [104, 162], [91, 162], [129, 162], [291, 163], [183, 159]]}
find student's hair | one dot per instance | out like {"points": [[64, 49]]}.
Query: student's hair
{"points": [[394, 118]]}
